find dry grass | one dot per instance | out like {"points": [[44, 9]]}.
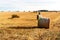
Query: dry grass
{"points": [[26, 19], [29, 19]]}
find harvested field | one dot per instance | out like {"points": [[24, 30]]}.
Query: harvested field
{"points": [[29, 19], [25, 19]]}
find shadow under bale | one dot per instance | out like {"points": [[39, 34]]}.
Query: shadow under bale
{"points": [[23, 27]]}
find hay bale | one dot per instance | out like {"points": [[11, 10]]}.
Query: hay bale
{"points": [[43, 23], [14, 16]]}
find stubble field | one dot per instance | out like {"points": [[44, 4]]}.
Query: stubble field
{"points": [[28, 19]]}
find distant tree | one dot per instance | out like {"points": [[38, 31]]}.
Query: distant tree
{"points": [[42, 10], [23, 11], [17, 11], [34, 11], [28, 11]]}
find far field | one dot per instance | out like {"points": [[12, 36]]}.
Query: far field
{"points": [[25, 18], [28, 19]]}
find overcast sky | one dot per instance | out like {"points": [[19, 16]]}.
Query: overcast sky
{"points": [[29, 5]]}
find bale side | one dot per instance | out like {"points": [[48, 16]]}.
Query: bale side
{"points": [[43, 23]]}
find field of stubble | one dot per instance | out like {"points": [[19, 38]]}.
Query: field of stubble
{"points": [[28, 19]]}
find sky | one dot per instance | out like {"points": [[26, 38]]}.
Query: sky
{"points": [[29, 5]]}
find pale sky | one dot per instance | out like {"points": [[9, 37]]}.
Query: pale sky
{"points": [[31, 5]]}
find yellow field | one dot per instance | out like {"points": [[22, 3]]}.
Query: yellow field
{"points": [[25, 18], [28, 19]]}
